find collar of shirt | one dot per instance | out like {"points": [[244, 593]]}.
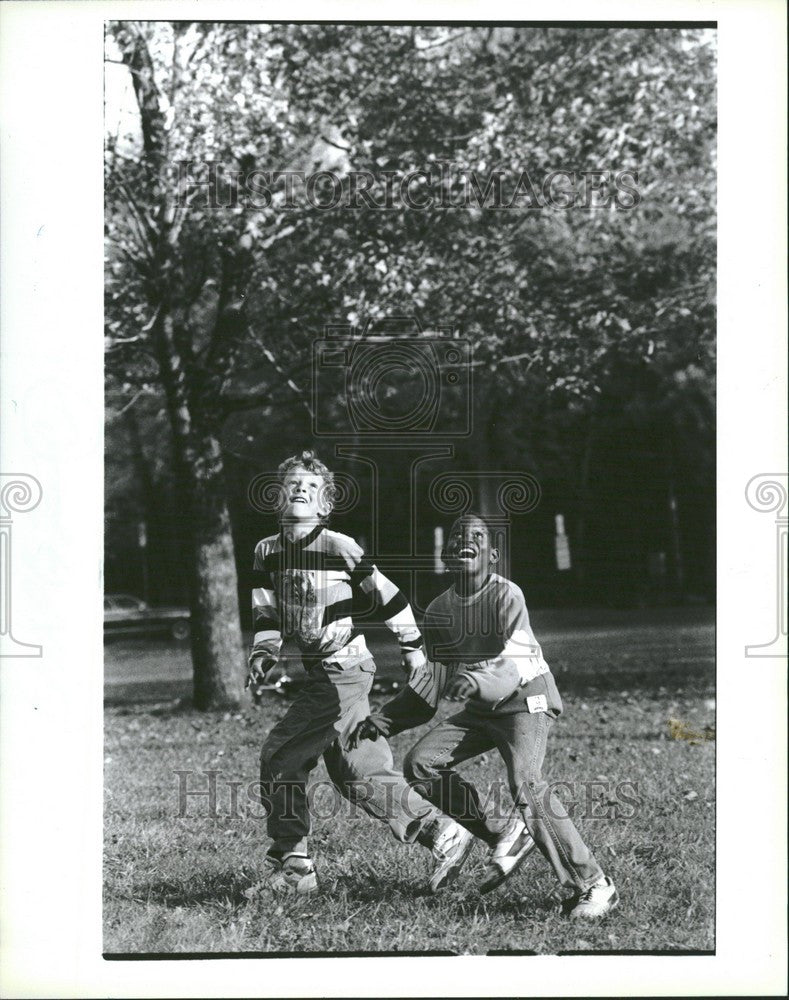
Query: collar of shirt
{"points": [[295, 545]]}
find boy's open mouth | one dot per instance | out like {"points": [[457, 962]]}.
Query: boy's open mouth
{"points": [[298, 500], [467, 552]]}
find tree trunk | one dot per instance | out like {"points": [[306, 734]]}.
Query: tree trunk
{"points": [[216, 629], [217, 653]]}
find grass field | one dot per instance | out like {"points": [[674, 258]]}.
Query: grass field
{"points": [[175, 883]]}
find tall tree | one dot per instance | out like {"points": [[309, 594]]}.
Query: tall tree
{"points": [[187, 270], [173, 313], [219, 301]]}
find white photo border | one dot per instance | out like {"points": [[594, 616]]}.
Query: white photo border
{"points": [[51, 291]]}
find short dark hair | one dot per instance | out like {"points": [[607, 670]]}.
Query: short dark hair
{"points": [[476, 516]]}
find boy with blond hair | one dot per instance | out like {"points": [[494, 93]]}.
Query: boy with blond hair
{"points": [[307, 578]]}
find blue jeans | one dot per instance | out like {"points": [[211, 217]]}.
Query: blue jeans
{"points": [[319, 722], [521, 740]]}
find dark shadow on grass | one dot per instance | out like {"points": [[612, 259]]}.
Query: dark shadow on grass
{"points": [[230, 886], [514, 906], [462, 897], [225, 886], [362, 888]]}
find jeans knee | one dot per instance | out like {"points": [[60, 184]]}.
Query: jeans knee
{"points": [[417, 768], [528, 788]]}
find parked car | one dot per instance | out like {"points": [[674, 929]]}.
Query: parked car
{"points": [[125, 614]]}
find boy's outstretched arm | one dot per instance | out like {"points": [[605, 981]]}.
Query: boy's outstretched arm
{"points": [[415, 705], [266, 627]]}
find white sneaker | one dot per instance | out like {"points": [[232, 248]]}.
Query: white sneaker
{"points": [[595, 902], [293, 873], [512, 849], [451, 847]]}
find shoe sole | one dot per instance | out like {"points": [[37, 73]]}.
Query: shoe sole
{"points": [[576, 914], [452, 873], [494, 882]]}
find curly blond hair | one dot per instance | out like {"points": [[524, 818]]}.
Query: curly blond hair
{"points": [[310, 462]]}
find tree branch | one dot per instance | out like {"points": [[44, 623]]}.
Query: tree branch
{"points": [[137, 58], [246, 401], [345, 149]]}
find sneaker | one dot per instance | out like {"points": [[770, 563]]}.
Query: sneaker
{"points": [[289, 873], [595, 902], [512, 849], [451, 847]]}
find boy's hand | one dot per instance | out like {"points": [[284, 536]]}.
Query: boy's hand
{"points": [[411, 660], [368, 729], [259, 667], [460, 688]]}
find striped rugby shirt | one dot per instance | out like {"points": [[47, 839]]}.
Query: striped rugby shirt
{"points": [[487, 637], [312, 588]]}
